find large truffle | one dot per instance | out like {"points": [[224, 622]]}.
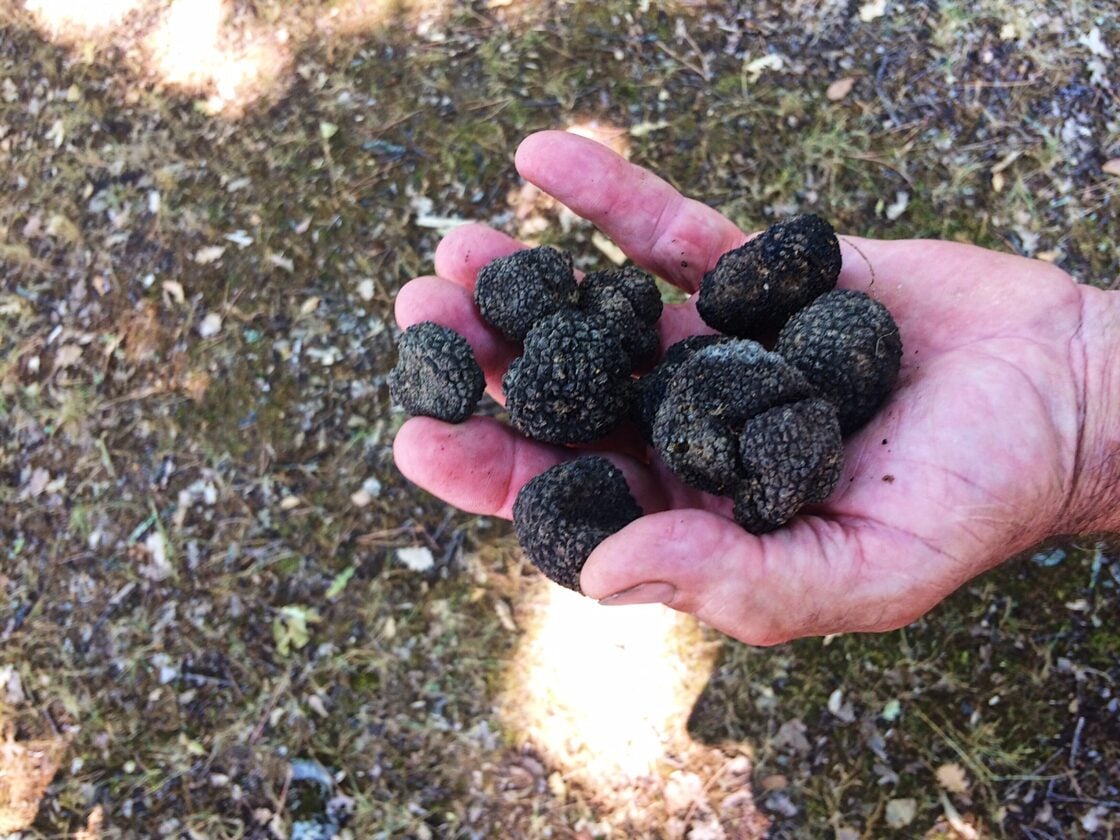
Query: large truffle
{"points": [[651, 387], [572, 382], [791, 455], [710, 397], [628, 300], [848, 346], [565, 512], [436, 374], [515, 291], [757, 286]]}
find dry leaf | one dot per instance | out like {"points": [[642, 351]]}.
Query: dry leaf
{"points": [[175, 290], [209, 254], [874, 9], [66, 356], [505, 615], [952, 777], [1111, 167], [611, 251], [309, 305], [210, 326], [840, 88], [901, 812]]}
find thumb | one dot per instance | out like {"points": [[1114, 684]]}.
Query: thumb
{"points": [[802, 580]]}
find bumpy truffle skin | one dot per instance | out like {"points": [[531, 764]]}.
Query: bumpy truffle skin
{"points": [[628, 300], [708, 400], [436, 374], [651, 387], [571, 384], [516, 291], [791, 455], [565, 512], [848, 346], [759, 285]]}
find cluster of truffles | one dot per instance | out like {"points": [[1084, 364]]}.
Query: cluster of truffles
{"points": [[727, 415]]}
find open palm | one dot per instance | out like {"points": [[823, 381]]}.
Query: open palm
{"points": [[973, 457]]}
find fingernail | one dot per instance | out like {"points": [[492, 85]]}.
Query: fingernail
{"points": [[657, 592]]}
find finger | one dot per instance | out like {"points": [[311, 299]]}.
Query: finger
{"points": [[450, 305], [480, 466], [466, 249], [680, 321], [675, 237], [800, 581]]}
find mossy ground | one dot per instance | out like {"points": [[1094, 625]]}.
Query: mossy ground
{"points": [[199, 514]]}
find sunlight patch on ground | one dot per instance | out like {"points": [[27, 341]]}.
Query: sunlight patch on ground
{"points": [[614, 137], [195, 48], [76, 18], [605, 693], [26, 769]]}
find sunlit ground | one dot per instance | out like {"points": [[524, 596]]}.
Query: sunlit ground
{"points": [[207, 48], [605, 693]]}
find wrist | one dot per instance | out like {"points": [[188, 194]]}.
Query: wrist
{"points": [[1095, 501]]}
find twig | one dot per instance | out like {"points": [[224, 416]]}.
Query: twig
{"points": [[258, 730], [1075, 747]]}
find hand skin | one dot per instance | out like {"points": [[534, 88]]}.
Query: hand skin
{"points": [[1003, 430]]}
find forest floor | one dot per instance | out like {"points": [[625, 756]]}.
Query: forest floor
{"points": [[223, 613]]}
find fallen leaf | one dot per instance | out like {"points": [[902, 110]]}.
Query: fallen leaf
{"points": [[952, 777], [280, 261], [209, 254], [210, 326], [417, 559], [505, 615], [239, 238], [870, 11], [897, 207], [756, 68], [1093, 41], [175, 290], [840, 88], [66, 356], [40, 478], [609, 250], [1111, 167], [901, 812]]}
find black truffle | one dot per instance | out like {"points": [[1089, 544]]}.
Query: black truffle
{"points": [[651, 387], [713, 393], [848, 346], [572, 382], [757, 286], [565, 512], [515, 291], [791, 455], [628, 300], [436, 374]]}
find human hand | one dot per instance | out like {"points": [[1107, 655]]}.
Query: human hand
{"points": [[1001, 430]]}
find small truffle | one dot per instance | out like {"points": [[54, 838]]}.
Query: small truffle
{"points": [[565, 512], [515, 291], [436, 374], [651, 387], [791, 456], [757, 286], [628, 300], [848, 346], [572, 382], [708, 400]]}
